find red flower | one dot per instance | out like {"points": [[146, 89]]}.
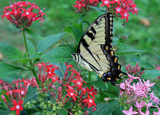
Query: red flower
{"points": [[116, 1], [50, 71], [79, 4], [120, 6], [79, 83], [84, 91], [125, 15], [106, 3], [69, 66], [90, 102], [22, 15], [17, 106], [1, 81], [54, 79], [72, 94], [91, 91]]}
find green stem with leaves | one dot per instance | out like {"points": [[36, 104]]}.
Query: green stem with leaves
{"points": [[89, 76], [30, 61]]}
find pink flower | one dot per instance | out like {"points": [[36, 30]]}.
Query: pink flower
{"points": [[157, 113], [122, 85], [130, 112], [147, 83], [154, 98], [140, 105]]}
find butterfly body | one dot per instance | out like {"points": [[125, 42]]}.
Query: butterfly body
{"points": [[94, 50]]}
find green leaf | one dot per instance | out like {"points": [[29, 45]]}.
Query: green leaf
{"points": [[32, 33], [76, 29], [10, 51], [31, 48], [105, 108], [125, 49], [112, 91], [98, 9], [6, 69], [59, 54], [48, 41], [150, 74], [11, 78], [99, 83]]}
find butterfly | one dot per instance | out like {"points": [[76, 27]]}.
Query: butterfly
{"points": [[95, 52]]}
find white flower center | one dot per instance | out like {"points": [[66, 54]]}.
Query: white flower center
{"points": [[136, 9], [79, 83], [118, 9], [106, 2], [90, 93], [17, 107], [22, 92], [7, 13], [71, 94], [79, 5], [125, 14], [27, 13], [15, 12], [90, 100]]}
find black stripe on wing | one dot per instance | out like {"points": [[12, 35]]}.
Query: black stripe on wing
{"points": [[109, 30], [91, 32], [115, 71]]}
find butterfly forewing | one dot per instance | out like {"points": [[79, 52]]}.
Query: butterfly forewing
{"points": [[94, 49]]}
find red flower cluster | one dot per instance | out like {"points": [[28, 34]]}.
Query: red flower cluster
{"points": [[134, 70], [84, 4], [116, 7], [23, 14], [71, 88], [121, 7], [73, 85], [16, 91]]}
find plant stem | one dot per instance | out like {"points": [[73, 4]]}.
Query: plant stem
{"points": [[89, 76], [30, 61]]}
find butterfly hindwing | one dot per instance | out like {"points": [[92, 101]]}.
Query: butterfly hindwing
{"points": [[94, 50]]}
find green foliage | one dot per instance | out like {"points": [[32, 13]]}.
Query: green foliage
{"points": [[55, 56], [134, 43], [48, 41], [6, 69], [10, 51], [109, 108]]}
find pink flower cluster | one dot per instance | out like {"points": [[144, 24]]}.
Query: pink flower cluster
{"points": [[83, 5], [137, 93], [121, 7], [23, 14]]}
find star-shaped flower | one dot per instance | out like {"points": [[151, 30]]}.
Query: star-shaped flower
{"points": [[130, 112], [17, 107]]}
